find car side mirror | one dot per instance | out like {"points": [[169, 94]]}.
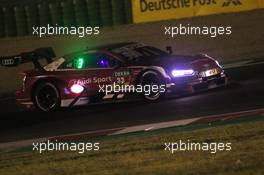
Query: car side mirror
{"points": [[169, 50]]}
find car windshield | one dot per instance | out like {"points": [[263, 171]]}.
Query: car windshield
{"points": [[138, 54], [88, 60]]}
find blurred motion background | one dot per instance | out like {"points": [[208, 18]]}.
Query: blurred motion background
{"points": [[122, 21], [18, 17]]}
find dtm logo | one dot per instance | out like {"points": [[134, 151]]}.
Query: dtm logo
{"points": [[231, 2]]}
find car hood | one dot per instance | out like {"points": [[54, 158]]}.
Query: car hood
{"points": [[195, 62]]}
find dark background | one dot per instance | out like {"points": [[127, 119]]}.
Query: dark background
{"points": [[18, 17]]}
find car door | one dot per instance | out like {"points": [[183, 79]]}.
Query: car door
{"points": [[96, 72], [110, 75], [99, 70]]}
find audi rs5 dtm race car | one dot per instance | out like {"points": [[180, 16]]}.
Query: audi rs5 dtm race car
{"points": [[112, 73]]}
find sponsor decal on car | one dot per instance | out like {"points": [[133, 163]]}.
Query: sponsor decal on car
{"points": [[92, 80], [122, 73]]}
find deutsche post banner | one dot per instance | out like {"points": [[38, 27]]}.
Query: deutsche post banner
{"points": [[156, 10]]}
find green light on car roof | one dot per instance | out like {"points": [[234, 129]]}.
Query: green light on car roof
{"points": [[79, 63]]}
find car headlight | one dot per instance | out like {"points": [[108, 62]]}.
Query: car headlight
{"points": [[182, 73]]}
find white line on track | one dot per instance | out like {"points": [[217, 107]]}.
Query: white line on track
{"points": [[147, 127], [155, 126], [242, 64]]}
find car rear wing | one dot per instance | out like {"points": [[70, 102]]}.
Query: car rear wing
{"points": [[34, 56]]}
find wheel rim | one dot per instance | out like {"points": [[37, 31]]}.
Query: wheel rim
{"points": [[152, 80], [47, 97]]}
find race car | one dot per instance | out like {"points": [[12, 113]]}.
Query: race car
{"points": [[116, 72]]}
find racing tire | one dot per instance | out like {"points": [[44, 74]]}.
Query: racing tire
{"points": [[152, 78], [47, 97]]}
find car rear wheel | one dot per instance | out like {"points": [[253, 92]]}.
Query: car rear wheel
{"points": [[151, 79], [47, 97]]}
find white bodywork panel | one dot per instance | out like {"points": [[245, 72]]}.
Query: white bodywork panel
{"points": [[54, 65]]}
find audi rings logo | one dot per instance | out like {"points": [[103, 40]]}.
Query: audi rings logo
{"points": [[7, 62], [231, 2]]}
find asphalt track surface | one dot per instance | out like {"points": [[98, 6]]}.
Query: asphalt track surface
{"points": [[20, 125]]}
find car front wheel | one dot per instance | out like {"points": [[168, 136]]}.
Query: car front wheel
{"points": [[47, 97], [152, 80]]}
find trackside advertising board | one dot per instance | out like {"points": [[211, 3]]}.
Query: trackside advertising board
{"points": [[261, 3], [156, 10]]}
